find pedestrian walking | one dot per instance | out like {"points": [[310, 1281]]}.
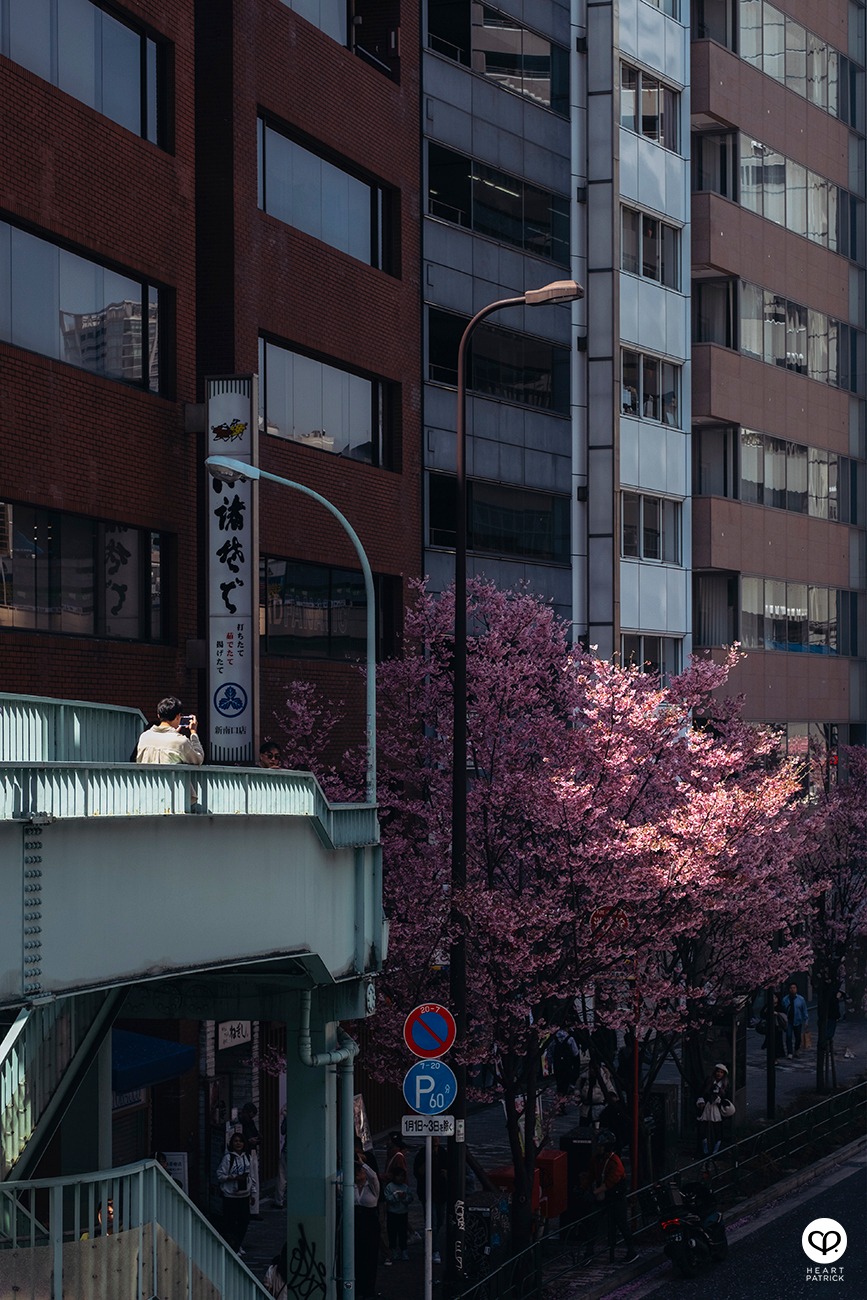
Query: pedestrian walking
{"points": [[608, 1182], [797, 1016], [398, 1199], [366, 1230], [233, 1175], [712, 1107], [251, 1137]]}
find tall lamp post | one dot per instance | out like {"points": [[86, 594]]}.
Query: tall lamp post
{"points": [[557, 291], [225, 467]]}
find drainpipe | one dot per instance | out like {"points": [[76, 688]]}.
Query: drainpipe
{"points": [[342, 1057]]}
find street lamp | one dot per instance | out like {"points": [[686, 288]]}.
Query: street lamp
{"points": [[233, 471], [557, 291]]}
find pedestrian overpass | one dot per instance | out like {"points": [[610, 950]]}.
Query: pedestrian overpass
{"points": [[221, 894]]}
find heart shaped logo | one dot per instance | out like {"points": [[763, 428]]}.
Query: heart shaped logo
{"points": [[824, 1241]]}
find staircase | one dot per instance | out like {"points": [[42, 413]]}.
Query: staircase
{"points": [[125, 1234], [43, 1058]]}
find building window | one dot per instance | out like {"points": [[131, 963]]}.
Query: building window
{"points": [[313, 611], [792, 195], [714, 461], [650, 528], [72, 309], [660, 655], [714, 604], [493, 203], [325, 407], [499, 47], [670, 7], [713, 166], [93, 56], [805, 480], [650, 248], [326, 201], [785, 50], [369, 27], [795, 617], [778, 331], [649, 107], [501, 520], [83, 577], [650, 387], [501, 363]]}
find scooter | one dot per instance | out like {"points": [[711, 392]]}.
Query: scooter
{"points": [[692, 1227]]}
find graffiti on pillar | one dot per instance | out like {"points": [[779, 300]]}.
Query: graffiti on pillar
{"points": [[306, 1272]]}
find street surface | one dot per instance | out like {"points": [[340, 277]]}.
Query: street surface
{"points": [[766, 1260]]}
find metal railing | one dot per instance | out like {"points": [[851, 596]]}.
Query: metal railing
{"points": [[37, 728], [56, 790], [742, 1170], [127, 1232], [34, 1057]]}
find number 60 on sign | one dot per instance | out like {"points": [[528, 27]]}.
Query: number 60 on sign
{"points": [[430, 1087]]}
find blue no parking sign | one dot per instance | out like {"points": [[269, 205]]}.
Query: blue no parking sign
{"points": [[430, 1087]]}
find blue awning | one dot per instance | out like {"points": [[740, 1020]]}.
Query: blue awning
{"points": [[139, 1061]]}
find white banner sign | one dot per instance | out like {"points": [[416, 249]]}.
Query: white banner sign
{"points": [[233, 1032], [232, 414]]}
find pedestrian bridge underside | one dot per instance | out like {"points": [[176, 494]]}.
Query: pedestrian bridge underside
{"points": [[116, 873]]}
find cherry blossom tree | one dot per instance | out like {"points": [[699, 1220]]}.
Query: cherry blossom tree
{"points": [[609, 838]]}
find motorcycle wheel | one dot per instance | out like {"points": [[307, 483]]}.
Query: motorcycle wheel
{"points": [[719, 1251]]}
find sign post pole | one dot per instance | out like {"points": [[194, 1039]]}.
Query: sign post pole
{"points": [[428, 1218]]}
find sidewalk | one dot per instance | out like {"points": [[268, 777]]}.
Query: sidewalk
{"points": [[486, 1137]]}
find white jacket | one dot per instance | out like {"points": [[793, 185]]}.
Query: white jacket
{"points": [[162, 744]]}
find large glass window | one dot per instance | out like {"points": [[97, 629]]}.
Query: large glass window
{"points": [[501, 363], [500, 47], [72, 309], [793, 617], [313, 611], [322, 406], [501, 520], [782, 48], [792, 195], [649, 107], [92, 55], [328, 15], [781, 332], [650, 387], [496, 204], [84, 577], [316, 196], [650, 527]]}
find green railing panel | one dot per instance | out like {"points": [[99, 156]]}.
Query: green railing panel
{"points": [[128, 1232], [66, 790], [36, 728]]}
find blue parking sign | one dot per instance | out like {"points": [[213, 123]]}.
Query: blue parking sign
{"points": [[430, 1087]]}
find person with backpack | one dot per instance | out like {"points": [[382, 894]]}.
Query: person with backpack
{"points": [[566, 1060]]}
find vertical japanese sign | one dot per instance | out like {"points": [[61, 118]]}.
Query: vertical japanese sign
{"points": [[232, 423]]}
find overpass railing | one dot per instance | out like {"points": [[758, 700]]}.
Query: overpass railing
{"points": [[60, 790]]}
